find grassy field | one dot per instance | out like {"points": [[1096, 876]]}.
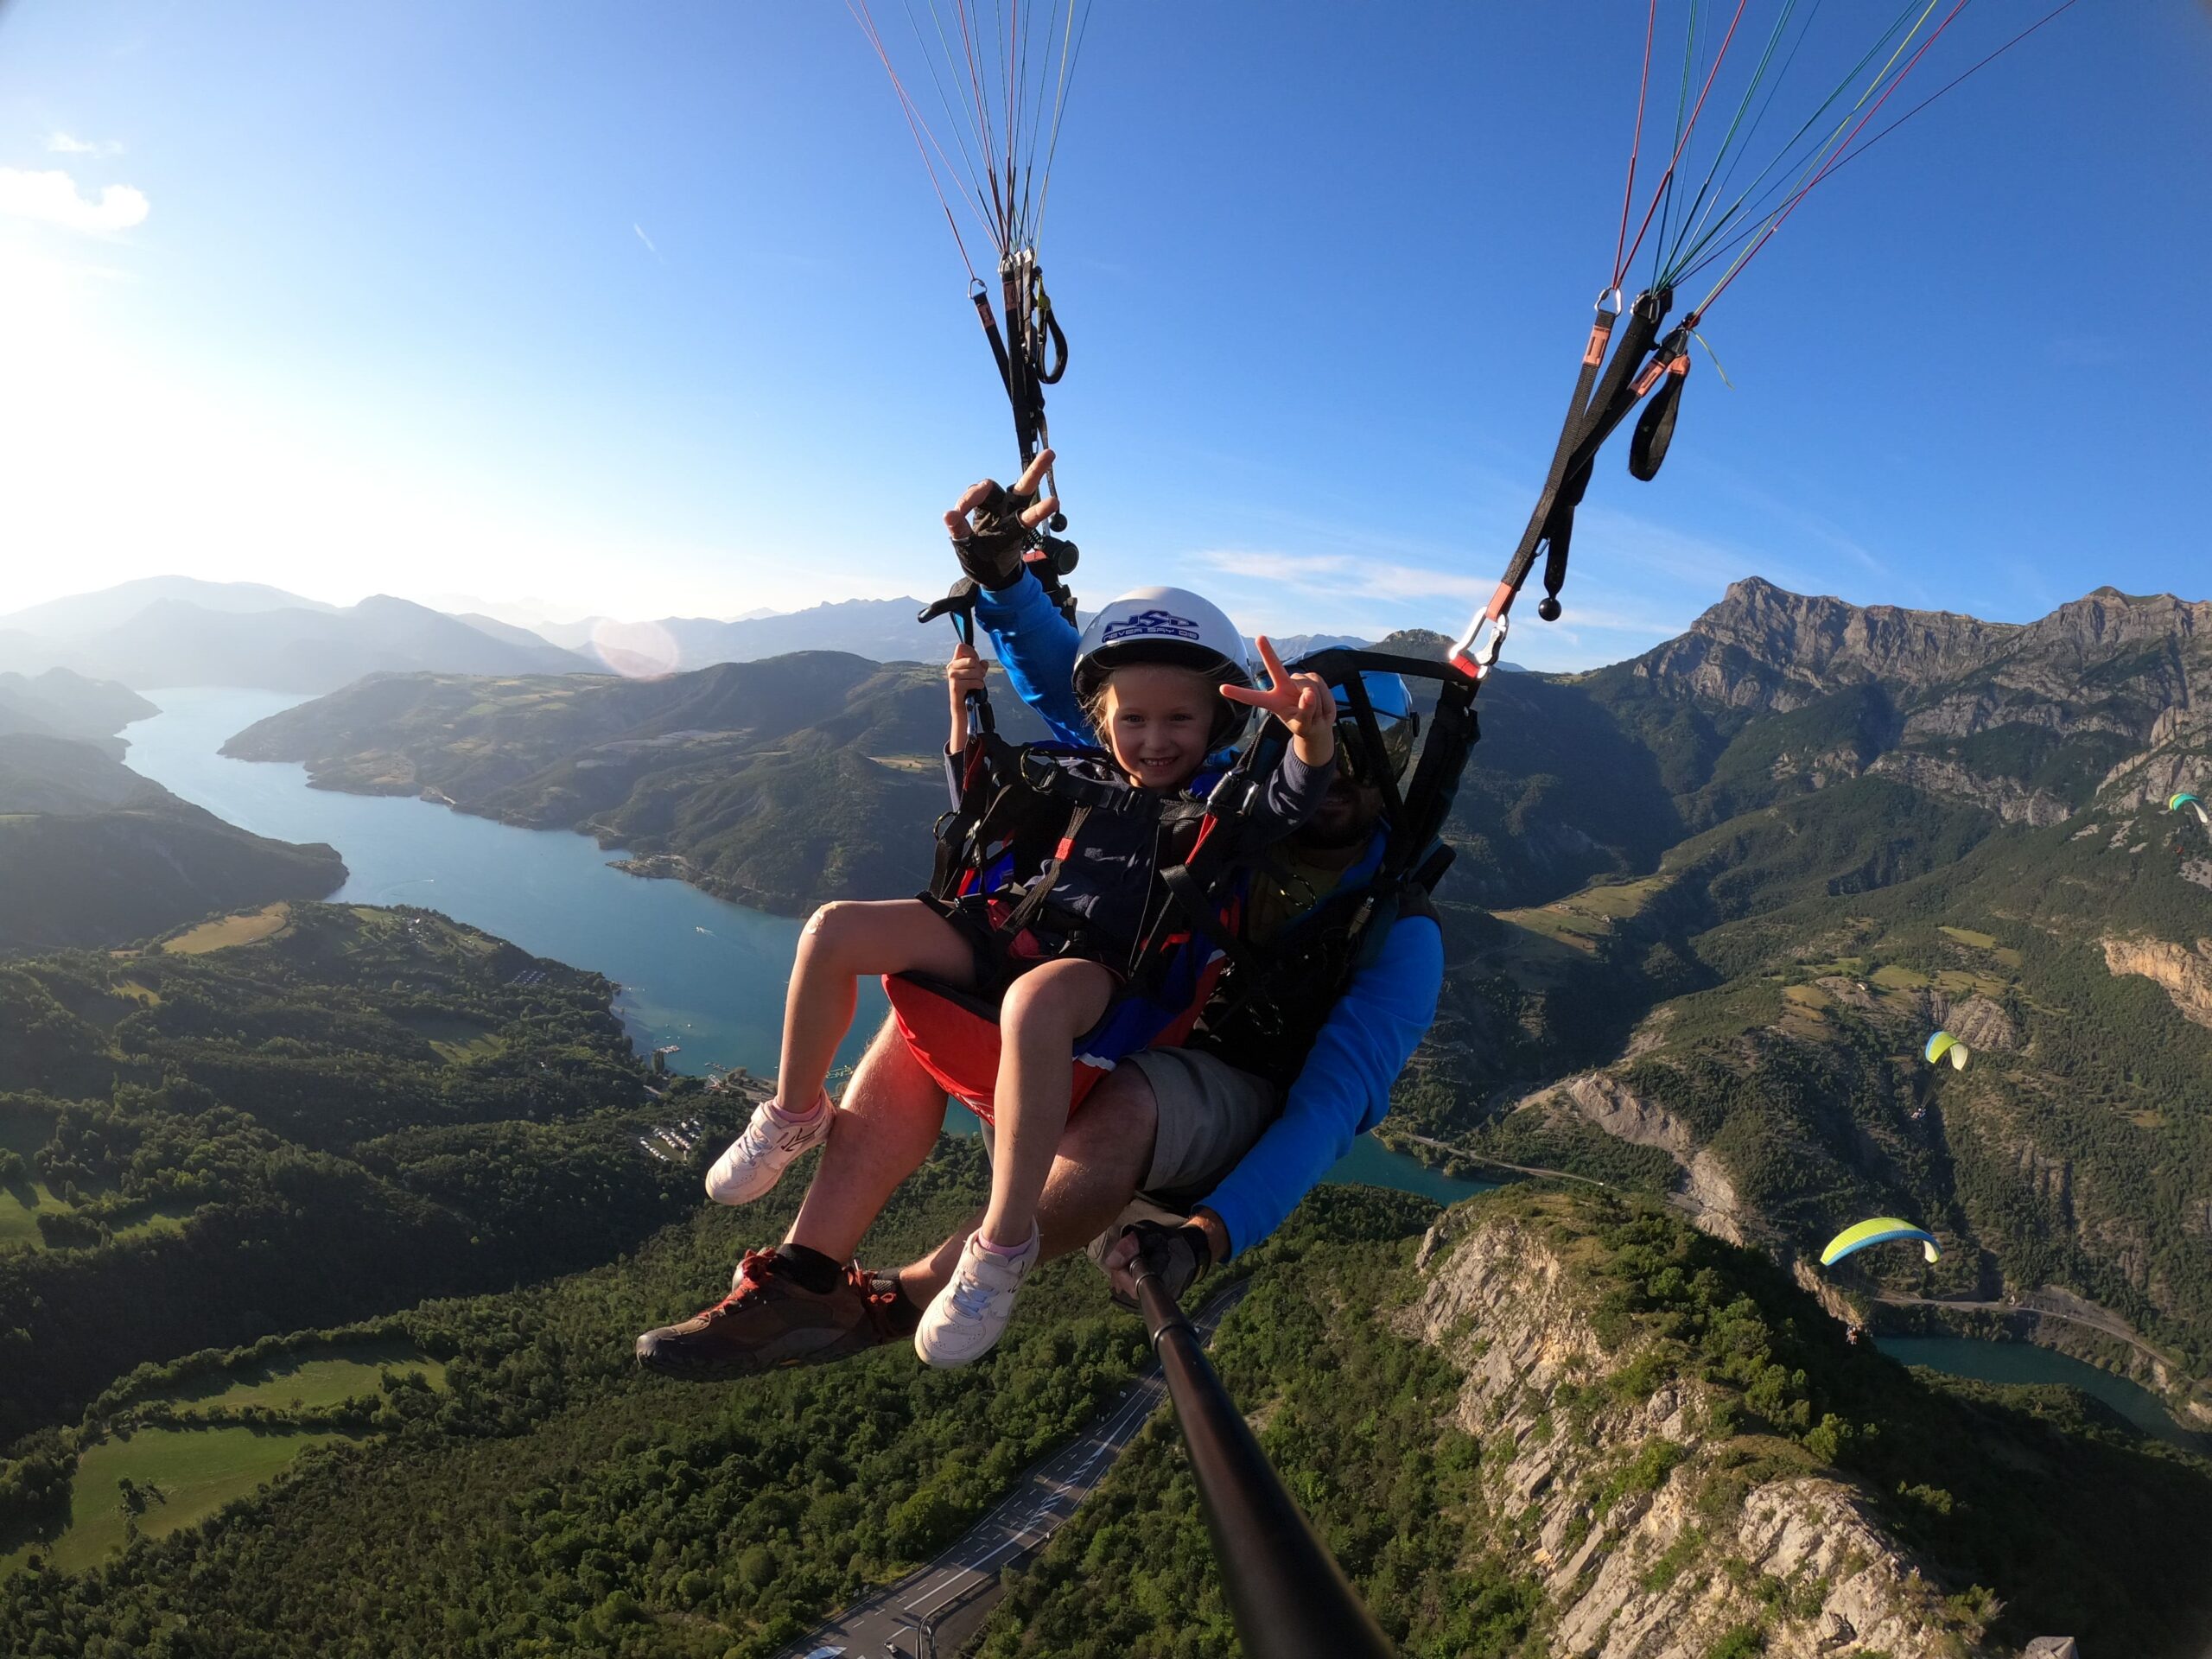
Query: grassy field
{"points": [[227, 930], [457, 1039], [1548, 943], [18, 1220], [318, 1377], [196, 1471]]}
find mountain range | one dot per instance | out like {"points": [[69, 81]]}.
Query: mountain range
{"points": [[1708, 904], [170, 632]]}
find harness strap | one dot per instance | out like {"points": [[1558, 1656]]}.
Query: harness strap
{"points": [[1034, 900]]}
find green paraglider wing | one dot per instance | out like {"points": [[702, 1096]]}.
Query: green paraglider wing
{"points": [[2185, 799], [1882, 1229]]}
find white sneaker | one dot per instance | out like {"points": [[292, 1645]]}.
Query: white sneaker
{"points": [[967, 1318], [757, 1158]]}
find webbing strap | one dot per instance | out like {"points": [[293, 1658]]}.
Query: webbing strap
{"points": [[1040, 889]]}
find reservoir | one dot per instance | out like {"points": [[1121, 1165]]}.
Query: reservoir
{"points": [[707, 974]]}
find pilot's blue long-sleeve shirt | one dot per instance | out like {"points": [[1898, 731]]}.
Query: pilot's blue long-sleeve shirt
{"points": [[1370, 1032]]}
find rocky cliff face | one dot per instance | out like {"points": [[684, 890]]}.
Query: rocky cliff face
{"points": [[1608, 1485], [2185, 975], [1761, 647], [2136, 670]]}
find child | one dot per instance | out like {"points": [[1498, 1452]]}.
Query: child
{"points": [[1153, 688]]}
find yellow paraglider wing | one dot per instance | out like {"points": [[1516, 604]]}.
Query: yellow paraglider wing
{"points": [[1882, 1229], [1943, 1043]]}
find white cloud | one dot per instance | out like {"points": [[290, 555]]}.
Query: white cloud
{"points": [[51, 198], [1342, 575], [63, 143], [648, 241]]}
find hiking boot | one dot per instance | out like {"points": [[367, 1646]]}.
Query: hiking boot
{"points": [[969, 1315], [757, 1158], [769, 1320]]}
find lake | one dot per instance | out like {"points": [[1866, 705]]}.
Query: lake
{"points": [[2021, 1362], [695, 970], [702, 973]]}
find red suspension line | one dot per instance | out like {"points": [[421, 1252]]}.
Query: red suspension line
{"points": [[1666, 178], [1828, 167], [1635, 148]]}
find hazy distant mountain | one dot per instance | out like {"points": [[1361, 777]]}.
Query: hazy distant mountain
{"points": [[80, 615], [59, 704], [511, 632], [174, 641], [92, 853], [881, 630]]}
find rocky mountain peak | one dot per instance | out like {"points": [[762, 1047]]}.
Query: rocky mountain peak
{"points": [[1764, 646]]}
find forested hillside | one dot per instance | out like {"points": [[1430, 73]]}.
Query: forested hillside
{"points": [[1567, 1423], [777, 784], [58, 704], [543, 1495], [295, 1118], [92, 853], [1886, 822]]}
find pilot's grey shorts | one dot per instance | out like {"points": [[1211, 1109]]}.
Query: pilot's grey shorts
{"points": [[1210, 1115]]}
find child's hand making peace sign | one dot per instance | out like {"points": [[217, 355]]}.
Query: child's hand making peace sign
{"points": [[1302, 702]]}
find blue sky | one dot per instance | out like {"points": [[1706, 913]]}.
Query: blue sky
{"points": [[646, 310]]}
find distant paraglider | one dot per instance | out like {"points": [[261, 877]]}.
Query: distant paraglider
{"points": [[1882, 1229], [2185, 799], [1943, 1043]]}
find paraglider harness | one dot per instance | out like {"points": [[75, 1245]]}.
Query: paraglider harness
{"points": [[1271, 1003], [1019, 811]]}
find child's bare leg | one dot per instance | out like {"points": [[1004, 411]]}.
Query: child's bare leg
{"points": [[1042, 1014], [838, 945]]}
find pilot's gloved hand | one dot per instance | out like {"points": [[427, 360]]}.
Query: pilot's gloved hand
{"points": [[993, 528], [1179, 1256]]}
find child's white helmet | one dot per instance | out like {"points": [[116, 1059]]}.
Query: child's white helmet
{"points": [[1167, 624]]}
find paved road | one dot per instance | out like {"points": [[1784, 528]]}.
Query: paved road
{"points": [[2040, 1306], [1046, 1495]]}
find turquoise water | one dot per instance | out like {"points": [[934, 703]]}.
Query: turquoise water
{"points": [[2023, 1361], [1372, 1164], [694, 970]]}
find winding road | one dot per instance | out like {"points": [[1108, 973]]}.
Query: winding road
{"points": [[902, 1618]]}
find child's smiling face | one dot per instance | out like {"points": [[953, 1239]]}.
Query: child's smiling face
{"points": [[1156, 720]]}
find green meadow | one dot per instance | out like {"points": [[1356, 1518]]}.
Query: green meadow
{"points": [[188, 1474]]}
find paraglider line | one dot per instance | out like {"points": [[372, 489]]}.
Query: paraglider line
{"points": [[1790, 206], [915, 125], [1634, 147], [1667, 180], [1692, 261], [956, 120], [2048, 17], [1697, 258], [1069, 58]]}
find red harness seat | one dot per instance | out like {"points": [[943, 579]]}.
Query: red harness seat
{"points": [[955, 1036]]}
